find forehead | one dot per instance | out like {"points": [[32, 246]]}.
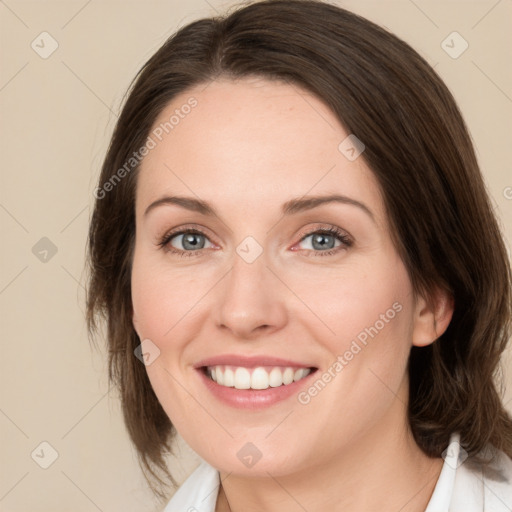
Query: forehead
{"points": [[251, 140]]}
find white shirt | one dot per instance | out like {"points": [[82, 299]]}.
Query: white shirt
{"points": [[462, 486]]}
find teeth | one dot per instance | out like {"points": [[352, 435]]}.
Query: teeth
{"points": [[242, 378], [298, 374], [275, 379], [257, 378], [229, 378], [288, 376]]}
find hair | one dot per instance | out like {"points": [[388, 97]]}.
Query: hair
{"points": [[419, 149]]}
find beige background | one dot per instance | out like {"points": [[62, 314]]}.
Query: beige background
{"points": [[56, 118]]}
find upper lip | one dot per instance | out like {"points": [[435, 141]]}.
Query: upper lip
{"points": [[250, 361]]}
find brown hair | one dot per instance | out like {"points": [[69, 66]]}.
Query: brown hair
{"points": [[418, 147]]}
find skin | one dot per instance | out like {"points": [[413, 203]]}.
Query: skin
{"points": [[246, 148]]}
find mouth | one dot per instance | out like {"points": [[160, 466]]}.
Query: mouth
{"points": [[253, 382], [258, 378]]}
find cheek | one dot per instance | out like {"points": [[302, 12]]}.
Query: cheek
{"points": [[365, 329], [366, 324], [162, 297], [163, 305], [358, 303]]}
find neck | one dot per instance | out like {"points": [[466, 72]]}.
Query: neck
{"points": [[384, 470]]}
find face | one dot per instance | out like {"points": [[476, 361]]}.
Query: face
{"points": [[265, 282]]}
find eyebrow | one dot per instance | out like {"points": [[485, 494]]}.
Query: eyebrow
{"points": [[289, 207], [307, 203]]}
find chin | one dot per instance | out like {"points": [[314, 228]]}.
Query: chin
{"points": [[259, 459]]}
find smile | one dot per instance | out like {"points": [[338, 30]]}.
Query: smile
{"points": [[259, 378], [253, 381]]}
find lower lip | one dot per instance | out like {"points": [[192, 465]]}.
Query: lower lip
{"points": [[253, 398]]}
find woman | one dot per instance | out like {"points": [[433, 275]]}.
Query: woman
{"points": [[291, 232]]}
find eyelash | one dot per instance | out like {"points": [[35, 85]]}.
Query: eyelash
{"points": [[165, 242], [346, 241]]}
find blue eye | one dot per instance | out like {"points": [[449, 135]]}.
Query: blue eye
{"points": [[186, 241], [322, 242], [325, 242]]}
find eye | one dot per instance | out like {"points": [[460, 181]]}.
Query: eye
{"points": [[321, 242], [185, 241], [325, 242]]}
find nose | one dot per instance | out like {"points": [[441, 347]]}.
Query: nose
{"points": [[251, 301]]}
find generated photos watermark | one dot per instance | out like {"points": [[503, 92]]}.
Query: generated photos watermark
{"points": [[356, 346], [156, 136]]}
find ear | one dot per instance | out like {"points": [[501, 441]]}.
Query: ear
{"points": [[432, 317]]}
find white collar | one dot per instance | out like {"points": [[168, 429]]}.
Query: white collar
{"points": [[462, 486]]}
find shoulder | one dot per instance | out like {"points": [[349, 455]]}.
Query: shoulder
{"points": [[483, 487], [198, 493], [497, 480]]}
